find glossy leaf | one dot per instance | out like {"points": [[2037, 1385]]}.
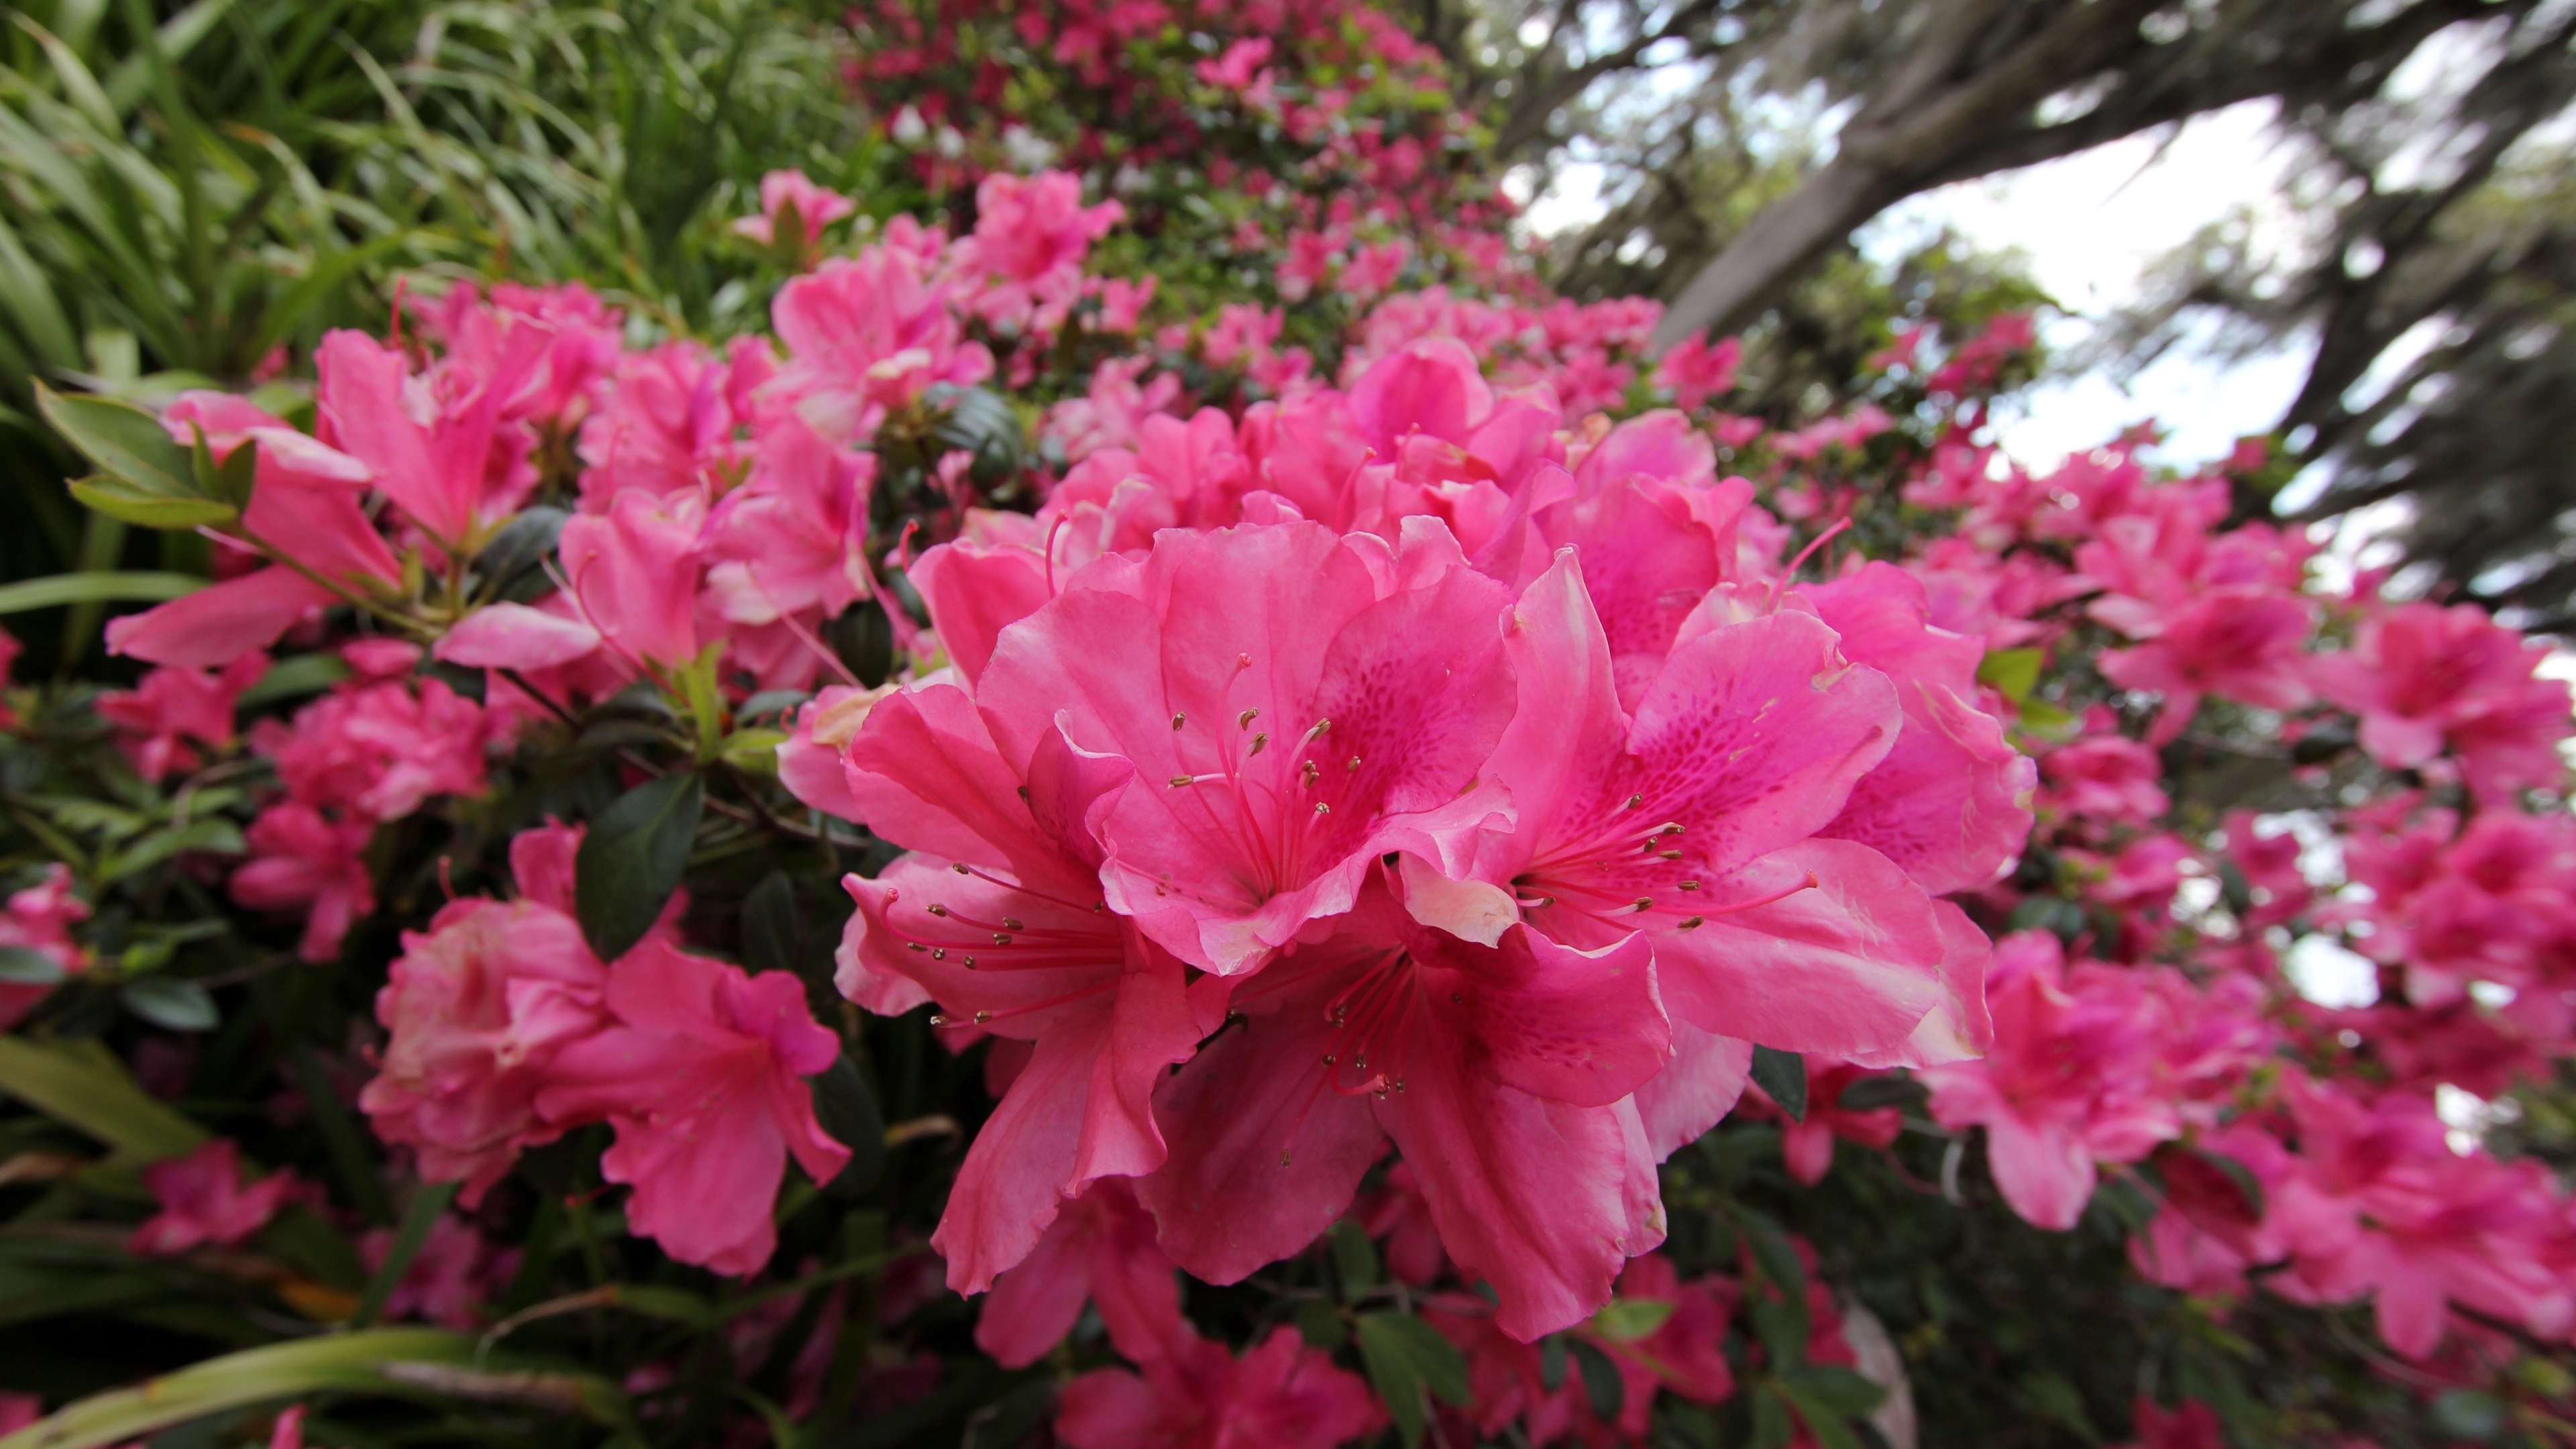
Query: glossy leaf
{"points": [[632, 859]]}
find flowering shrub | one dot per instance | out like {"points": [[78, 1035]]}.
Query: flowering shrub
{"points": [[971, 864]]}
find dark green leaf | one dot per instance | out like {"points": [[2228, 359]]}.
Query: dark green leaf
{"points": [[1840, 1389], [2468, 1414], [167, 1001], [427, 1206], [122, 440], [1783, 1075], [1830, 1427], [20, 966], [1870, 1093], [510, 565], [1771, 1427], [631, 861], [1395, 1376], [1405, 1356], [1601, 1382], [1320, 1324], [1552, 1362], [771, 939], [846, 1110], [1354, 1259]]}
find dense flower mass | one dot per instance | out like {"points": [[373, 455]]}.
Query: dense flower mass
{"points": [[1371, 801]]}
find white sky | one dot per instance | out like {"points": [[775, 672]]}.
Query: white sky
{"points": [[2091, 225]]}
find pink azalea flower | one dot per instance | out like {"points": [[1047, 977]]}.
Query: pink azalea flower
{"points": [[431, 439], [1400, 1215], [1807, 1144], [2193, 1425], [792, 539], [702, 1074], [477, 1008], [379, 750], [301, 860], [205, 1203], [2422, 676], [2066, 1084], [1280, 1395], [1950, 803], [172, 707], [40, 919], [864, 334], [669, 420], [1293, 704], [2107, 778], [815, 208], [457, 1271], [304, 502], [1025, 230], [632, 572], [1694, 818], [1099, 1250], [1000, 924], [1697, 370], [1502, 1073], [2241, 642]]}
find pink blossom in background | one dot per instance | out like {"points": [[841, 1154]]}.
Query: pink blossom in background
{"points": [[477, 1008], [39, 919], [1279, 1395], [815, 208], [302, 860], [701, 1070], [164, 720], [456, 1273], [1697, 370], [1100, 1250], [205, 1202]]}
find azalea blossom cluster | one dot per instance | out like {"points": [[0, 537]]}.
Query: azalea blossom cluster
{"points": [[1463, 800], [1399, 791]]}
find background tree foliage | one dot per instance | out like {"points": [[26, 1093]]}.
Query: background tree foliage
{"points": [[1744, 143]]}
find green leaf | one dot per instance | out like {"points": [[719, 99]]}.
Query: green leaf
{"points": [[427, 1206], [1553, 1361], [126, 503], [511, 564], [1602, 1385], [294, 678], [631, 861], [406, 1361], [61, 589], [1841, 1390], [1626, 1320], [1771, 1427], [847, 1111], [21, 966], [1354, 1259], [1784, 1076], [2459, 1414], [1405, 1356], [122, 440], [1829, 1428], [2012, 672], [1870, 1093], [772, 937], [170, 1002], [81, 1084], [1320, 1324]]}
